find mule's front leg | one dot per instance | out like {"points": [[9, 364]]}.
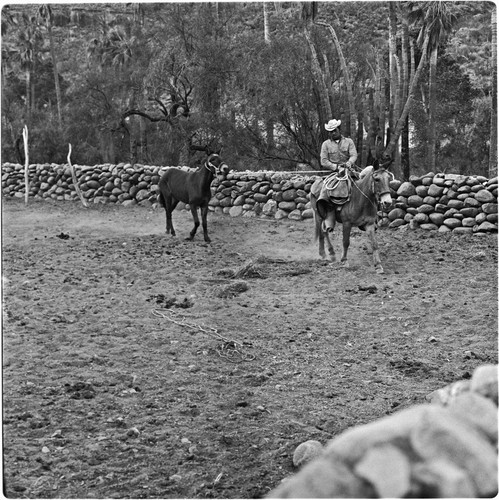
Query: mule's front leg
{"points": [[194, 212], [371, 232], [347, 229], [319, 235], [328, 228], [204, 219]]}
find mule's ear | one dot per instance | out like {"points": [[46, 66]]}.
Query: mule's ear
{"points": [[386, 161], [376, 164]]}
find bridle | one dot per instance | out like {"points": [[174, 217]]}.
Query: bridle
{"points": [[387, 191], [216, 170], [377, 195]]}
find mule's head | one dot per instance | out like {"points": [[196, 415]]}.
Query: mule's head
{"points": [[382, 178], [216, 165]]}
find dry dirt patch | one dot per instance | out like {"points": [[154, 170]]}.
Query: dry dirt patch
{"points": [[129, 370]]}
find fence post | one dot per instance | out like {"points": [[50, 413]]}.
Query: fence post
{"points": [[75, 180], [26, 165]]}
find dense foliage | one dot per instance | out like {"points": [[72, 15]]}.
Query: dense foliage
{"points": [[146, 82]]}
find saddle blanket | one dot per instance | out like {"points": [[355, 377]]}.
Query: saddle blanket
{"points": [[335, 188]]}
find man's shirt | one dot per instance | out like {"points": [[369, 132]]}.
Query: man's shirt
{"points": [[338, 152]]}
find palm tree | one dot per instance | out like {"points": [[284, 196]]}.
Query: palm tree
{"points": [[390, 148], [346, 77], [114, 47], [27, 54], [437, 19], [309, 11], [45, 12]]}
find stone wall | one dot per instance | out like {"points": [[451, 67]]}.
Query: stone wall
{"points": [[445, 449], [446, 202], [440, 202]]}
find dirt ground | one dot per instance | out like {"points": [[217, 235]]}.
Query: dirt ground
{"points": [[137, 365]]}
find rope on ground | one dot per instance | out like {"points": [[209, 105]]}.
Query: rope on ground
{"points": [[230, 349]]}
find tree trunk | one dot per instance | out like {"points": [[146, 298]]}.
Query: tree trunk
{"points": [[382, 100], [56, 72], [390, 148], [266, 29], [405, 58], [32, 99], [28, 97], [392, 49], [406, 74], [325, 107], [367, 117], [346, 76], [432, 104], [269, 129], [413, 62], [329, 80], [394, 75], [360, 132], [493, 114], [404, 153]]}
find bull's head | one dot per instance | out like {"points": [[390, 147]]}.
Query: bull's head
{"points": [[217, 165]]}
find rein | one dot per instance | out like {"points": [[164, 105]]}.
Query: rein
{"points": [[376, 195]]}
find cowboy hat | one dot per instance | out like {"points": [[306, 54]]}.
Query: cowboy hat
{"points": [[332, 124]]}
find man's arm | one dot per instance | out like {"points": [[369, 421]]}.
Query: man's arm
{"points": [[352, 151], [325, 158]]}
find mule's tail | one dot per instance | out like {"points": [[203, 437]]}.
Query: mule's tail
{"points": [[161, 199], [317, 218]]}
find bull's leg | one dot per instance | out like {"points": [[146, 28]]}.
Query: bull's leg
{"points": [[347, 229], [204, 220], [170, 204], [194, 212], [371, 232]]}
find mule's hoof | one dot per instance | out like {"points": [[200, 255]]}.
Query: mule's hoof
{"points": [[207, 240], [345, 263], [380, 270]]}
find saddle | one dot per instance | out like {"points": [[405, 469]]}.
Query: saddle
{"points": [[335, 189]]}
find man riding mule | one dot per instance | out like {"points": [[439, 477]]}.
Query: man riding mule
{"points": [[337, 150], [346, 197], [338, 154]]}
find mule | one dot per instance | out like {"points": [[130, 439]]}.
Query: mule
{"points": [[193, 188], [361, 210]]}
